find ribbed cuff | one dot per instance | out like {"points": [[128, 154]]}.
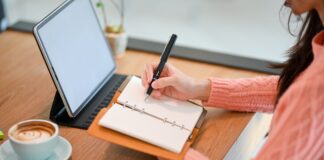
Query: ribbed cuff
{"points": [[250, 95], [220, 88]]}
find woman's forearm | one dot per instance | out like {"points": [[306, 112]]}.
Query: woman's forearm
{"points": [[201, 89], [245, 94]]}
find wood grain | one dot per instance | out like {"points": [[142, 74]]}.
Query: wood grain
{"points": [[27, 91]]}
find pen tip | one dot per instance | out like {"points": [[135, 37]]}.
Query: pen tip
{"points": [[146, 98]]}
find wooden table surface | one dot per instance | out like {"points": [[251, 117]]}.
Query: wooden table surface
{"points": [[27, 91]]}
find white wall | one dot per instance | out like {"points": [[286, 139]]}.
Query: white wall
{"points": [[29, 10], [35, 10], [249, 28]]}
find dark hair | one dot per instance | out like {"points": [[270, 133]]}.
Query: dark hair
{"points": [[301, 54]]}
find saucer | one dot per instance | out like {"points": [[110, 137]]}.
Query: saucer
{"points": [[62, 151]]}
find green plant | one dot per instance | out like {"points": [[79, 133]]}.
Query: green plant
{"points": [[120, 8]]}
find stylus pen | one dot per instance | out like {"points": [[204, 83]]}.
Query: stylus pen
{"points": [[164, 58]]}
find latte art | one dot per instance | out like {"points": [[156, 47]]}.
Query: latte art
{"points": [[33, 133], [34, 139]]}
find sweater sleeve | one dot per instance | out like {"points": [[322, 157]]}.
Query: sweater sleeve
{"points": [[297, 125], [245, 94]]}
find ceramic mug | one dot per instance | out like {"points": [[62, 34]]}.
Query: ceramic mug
{"points": [[117, 43], [34, 139]]}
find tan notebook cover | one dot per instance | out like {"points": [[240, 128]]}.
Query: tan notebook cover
{"points": [[133, 143]]}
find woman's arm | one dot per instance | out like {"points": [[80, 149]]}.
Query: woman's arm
{"points": [[245, 94], [297, 130]]}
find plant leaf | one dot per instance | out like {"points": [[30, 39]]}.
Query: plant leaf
{"points": [[99, 4]]}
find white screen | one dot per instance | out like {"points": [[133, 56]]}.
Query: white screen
{"points": [[78, 51]]}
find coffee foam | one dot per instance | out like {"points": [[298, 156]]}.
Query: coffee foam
{"points": [[33, 132]]}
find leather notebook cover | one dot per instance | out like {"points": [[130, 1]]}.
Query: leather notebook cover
{"points": [[121, 139]]}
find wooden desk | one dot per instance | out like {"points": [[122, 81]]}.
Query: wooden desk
{"points": [[26, 91]]}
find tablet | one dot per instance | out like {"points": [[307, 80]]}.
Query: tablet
{"points": [[76, 52]]}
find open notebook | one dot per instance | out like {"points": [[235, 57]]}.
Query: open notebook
{"points": [[166, 122]]}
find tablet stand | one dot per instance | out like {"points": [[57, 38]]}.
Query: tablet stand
{"points": [[83, 120]]}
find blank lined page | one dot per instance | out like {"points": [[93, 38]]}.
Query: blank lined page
{"points": [[145, 127], [180, 112]]}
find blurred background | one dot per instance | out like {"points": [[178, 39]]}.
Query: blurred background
{"points": [[241, 33]]}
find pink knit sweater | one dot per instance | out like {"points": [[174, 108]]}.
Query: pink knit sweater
{"points": [[297, 127]]}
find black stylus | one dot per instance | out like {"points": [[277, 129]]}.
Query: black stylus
{"points": [[164, 58]]}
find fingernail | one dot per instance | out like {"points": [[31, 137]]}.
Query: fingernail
{"points": [[154, 85], [149, 79]]}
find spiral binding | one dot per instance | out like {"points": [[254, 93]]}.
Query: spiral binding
{"points": [[164, 120]]}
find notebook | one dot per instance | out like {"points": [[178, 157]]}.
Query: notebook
{"points": [[165, 122]]}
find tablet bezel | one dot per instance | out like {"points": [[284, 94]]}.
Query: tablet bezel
{"points": [[58, 86]]}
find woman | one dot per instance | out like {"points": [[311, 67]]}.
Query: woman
{"points": [[296, 97]]}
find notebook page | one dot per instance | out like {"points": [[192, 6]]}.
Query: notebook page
{"points": [[144, 127], [180, 112]]}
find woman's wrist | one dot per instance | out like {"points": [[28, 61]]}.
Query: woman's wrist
{"points": [[202, 89]]}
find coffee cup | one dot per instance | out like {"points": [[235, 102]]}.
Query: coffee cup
{"points": [[34, 139]]}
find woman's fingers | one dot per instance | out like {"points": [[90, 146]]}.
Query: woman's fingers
{"points": [[158, 85], [150, 68], [149, 72], [164, 82], [147, 75], [144, 79], [157, 94]]}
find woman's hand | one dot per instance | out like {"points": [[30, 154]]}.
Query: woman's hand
{"points": [[174, 83], [194, 155]]}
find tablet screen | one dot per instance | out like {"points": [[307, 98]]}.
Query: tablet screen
{"points": [[77, 52]]}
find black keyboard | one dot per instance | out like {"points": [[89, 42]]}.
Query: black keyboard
{"points": [[86, 116], [113, 85]]}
